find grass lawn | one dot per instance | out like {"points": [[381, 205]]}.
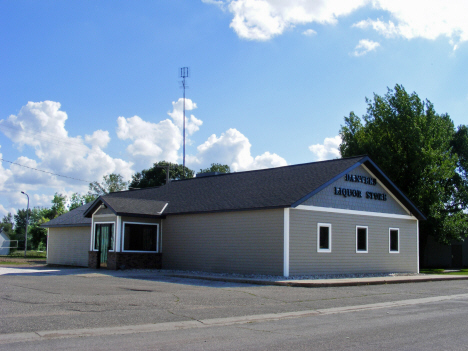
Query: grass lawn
{"points": [[13, 263], [29, 254], [441, 271], [17, 258]]}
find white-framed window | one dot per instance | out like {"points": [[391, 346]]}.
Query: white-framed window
{"points": [[104, 236], [362, 239], [324, 237], [140, 237], [394, 240]]}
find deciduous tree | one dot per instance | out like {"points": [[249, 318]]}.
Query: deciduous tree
{"points": [[423, 154], [111, 183], [77, 200], [156, 175], [217, 167]]}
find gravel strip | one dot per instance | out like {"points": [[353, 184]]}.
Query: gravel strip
{"points": [[273, 277]]}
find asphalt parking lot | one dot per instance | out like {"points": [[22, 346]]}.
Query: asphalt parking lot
{"points": [[52, 299]]}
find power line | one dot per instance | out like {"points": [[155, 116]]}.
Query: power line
{"points": [[49, 139], [40, 170], [36, 131]]}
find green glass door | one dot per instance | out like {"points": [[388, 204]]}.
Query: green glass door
{"points": [[104, 240]]}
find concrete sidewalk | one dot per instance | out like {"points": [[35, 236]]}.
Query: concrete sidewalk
{"points": [[319, 283]]}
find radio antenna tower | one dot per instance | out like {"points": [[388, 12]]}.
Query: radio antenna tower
{"points": [[184, 73]]}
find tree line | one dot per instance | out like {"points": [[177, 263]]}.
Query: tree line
{"points": [[15, 225]]}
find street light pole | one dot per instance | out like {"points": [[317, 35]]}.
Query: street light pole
{"points": [[27, 223]]}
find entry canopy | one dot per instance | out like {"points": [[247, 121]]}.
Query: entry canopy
{"points": [[281, 187], [128, 206]]}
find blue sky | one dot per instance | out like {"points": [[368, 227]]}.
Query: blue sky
{"points": [[91, 87]]}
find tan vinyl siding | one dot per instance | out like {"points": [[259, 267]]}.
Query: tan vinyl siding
{"points": [[68, 246], [304, 258], [104, 211], [105, 218], [235, 242]]}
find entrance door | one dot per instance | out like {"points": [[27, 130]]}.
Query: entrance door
{"points": [[457, 256], [104, 241]]}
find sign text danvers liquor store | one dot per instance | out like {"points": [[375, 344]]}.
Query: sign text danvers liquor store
{"points": [[346, 192]]}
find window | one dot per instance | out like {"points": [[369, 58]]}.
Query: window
{"points": [[324, 237], [394, 240], [361, 239], [104, 236], [140, 237]]}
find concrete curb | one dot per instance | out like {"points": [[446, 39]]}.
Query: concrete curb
{"points": [[325, 283]]}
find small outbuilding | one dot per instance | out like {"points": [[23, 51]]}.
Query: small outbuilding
{"points": [[68, 238], [4, 243], [329, 217]]}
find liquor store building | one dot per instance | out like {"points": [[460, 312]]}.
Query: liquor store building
{"points": [[331, 217]]}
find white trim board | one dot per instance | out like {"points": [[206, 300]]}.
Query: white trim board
{"points": [[417, 242], [118, 235], [140, 223], [167, 203], [94, 234], [286, 243], [353, 212]]}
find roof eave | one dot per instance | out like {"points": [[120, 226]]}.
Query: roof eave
{"points": [[141, 215], [89, 212], [66, 225], [396, 191]]}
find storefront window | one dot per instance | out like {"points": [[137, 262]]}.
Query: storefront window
{"points": [[142, 237]]}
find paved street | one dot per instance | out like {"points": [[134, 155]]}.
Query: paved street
{"points": [[83, 309]]}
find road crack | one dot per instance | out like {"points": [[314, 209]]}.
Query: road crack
{"points": [[184, 316]]}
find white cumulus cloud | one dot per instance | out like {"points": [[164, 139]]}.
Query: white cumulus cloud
{"points": [[309, 32], [265, 19], [153, 142], [5, 174], [100, 139], [233, 148], [428, 20], [40, 126], [328, 150], [364, 46]]}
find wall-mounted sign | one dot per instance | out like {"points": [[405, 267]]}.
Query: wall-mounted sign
{"points": [[346, 192], [360, 179], [376, 196]]}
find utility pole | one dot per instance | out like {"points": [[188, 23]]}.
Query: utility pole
{"points": [[27, 223], [184, 73]]}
